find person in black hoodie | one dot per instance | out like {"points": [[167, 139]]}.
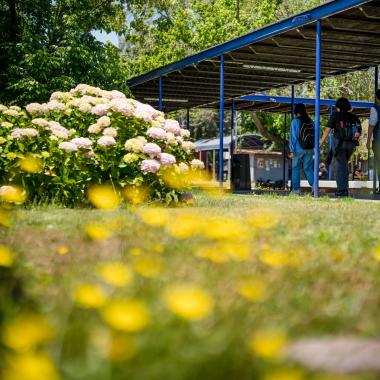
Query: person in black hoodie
{"points": [[346, 129]]}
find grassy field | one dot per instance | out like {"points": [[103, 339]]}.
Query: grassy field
{"points": [[215, 291]]}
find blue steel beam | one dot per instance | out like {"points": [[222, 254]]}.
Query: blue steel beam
{"points": [[293, 101], [221, 120], [284, 153], [318, 62], [307, 101], [326, 10], [375, 168]]}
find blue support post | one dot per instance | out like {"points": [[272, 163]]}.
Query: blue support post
{"points": [[160, 94], [187, 118], [221, 120], [232, 125], [375, 168], [293, 101], [330, 147], [284, 153], [317, 106]]}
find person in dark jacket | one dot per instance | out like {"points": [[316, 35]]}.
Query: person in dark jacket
{"points": [[346, 129]]}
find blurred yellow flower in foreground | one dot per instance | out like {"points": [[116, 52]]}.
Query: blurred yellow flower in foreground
{"points": [[376, 253], [184, 225], [252, 289], [135, 195], [6, 257], [278, 259], [126, 315], [188, 301], [31, 164], [263, 218], [284, 374], [26, 332], [115, 273], [63, 250], [148, 266], [5, 218], [154, 216], [103, 197], [268, 344], [223, 228], [90, 296], [122, 347], [96, 231], [12, 194], [30, 366]]}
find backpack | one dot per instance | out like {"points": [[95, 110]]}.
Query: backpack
{"points": [[346, 127], [307, 135]]}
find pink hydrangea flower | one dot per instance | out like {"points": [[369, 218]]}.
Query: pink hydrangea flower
{"points": [[18, 133], [150, 166], [100, 109], [145, 111], [105, 141], [82, 142], [184, 132], [152, 149], [172, 126], [156, 133], [167, 159], [68, 147]]}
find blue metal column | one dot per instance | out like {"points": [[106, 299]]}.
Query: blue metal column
{"points": [[317, 106], [330, 147], [160, 94], [221, 120], [232, 126], [293, 97], [375, 168], [284, 153], [187, 118]]}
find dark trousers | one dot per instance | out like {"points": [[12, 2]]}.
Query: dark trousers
{"points": [[376, 152], [343, 152]]}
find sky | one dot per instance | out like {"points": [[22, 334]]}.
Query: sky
{"points": [[104, 37]]}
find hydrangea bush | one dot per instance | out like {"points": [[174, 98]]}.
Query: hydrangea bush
{"points": [[57, 149]]}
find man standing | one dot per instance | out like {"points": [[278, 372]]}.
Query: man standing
{"points": [[374, 130]]}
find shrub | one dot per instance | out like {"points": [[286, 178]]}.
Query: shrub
{"points": [[55, 150]]}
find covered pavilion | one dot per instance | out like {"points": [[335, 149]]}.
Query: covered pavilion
{"points": [[338, 37]]}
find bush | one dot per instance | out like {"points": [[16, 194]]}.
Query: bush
{"points": [[55, 150]]}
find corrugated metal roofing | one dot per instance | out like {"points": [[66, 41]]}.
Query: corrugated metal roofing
{"points": [[275, 56]]}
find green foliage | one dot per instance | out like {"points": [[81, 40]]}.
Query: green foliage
{"points": [[47, 46]]}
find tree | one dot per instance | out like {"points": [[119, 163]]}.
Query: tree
{"points": [[47, 45]]}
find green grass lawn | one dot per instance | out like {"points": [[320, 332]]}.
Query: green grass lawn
{"points": [[276, 269]]}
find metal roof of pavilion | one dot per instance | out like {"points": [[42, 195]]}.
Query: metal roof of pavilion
{"points": [[275, 56]]}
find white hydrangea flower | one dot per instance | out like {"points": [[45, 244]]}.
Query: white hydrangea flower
{"points": [[82, 142], [68, 147], [112, 132], [104, 121], [18, 133], [94, 128], [56, 106], [6, 124], [135, 145], [40, 122], [10, 112], [197, 164], [105, 141]]}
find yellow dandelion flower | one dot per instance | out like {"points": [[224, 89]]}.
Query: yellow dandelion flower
{"points": [[98, 231], [135, 251], [6, 257], [135, 195], [154, 216], [277, 259], [376, 253], [90, 296], [5, 218], [235, 250], [284, 374], [12, 194], [188, 302], [264, 219], [103, 197], [122, 347], [148, 266], [184, 225], [126, 315], [115, 273], [212, 253], [31, 164], [30, 366], [63, 250], [26, 332], [268, 344], [252, 289]]}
